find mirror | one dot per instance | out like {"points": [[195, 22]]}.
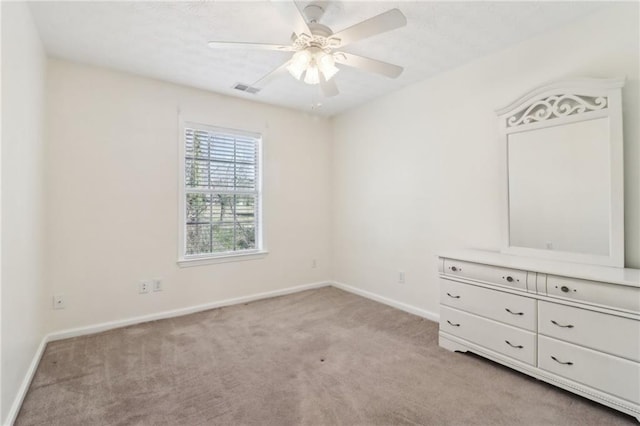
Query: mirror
{"points": [[563, 158], [559, 188]]}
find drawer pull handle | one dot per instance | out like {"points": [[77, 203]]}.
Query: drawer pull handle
{"points": [[455, 325], [512, 345], [513, 313], [566, 289], [454, 269], [452, 296], [560, 362], [560, 325], [509, 279]]}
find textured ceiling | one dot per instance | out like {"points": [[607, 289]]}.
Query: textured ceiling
{"points": [[168, 41]]}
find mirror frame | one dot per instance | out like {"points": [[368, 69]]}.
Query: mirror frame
{"points": [[559, 103]]}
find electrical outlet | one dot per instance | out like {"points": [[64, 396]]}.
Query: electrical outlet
{"points": [[59, 302], [157, 284], [144, 287], [400, 277]]}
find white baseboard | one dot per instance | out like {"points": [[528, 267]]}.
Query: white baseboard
{"points": [[393, 303], [26, 382], [97, 328]]}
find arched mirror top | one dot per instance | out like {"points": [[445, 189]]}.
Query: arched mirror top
{"points": [[559, 99]]}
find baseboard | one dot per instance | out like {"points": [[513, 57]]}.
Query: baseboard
{"points": [[26, 382], [394, 303], [97, 328]]}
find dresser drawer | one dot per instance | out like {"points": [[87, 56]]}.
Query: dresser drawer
{"points": [[617, 376], [507, 340], [519, 311], [486, 273], [607, 333], [594, 292]]}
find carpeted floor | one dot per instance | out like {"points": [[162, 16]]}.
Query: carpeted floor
{"points": [[320, 357]]}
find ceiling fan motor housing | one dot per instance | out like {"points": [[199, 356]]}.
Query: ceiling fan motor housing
{"points": [[319, 33], [320, 30]]}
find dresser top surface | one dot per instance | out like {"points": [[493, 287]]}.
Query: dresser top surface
{"points": [[623, 276]]}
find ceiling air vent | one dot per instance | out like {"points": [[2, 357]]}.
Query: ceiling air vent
{"points": [[246, 88]]}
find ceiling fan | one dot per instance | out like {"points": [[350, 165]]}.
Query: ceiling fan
{"points": [[317, 48]]}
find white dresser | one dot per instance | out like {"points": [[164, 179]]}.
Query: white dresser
{"points": [[574, 326]]}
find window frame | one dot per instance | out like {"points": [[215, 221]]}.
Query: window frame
{"points": [[259, 251]]}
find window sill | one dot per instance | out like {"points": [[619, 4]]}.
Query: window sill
{"points": [[224, 258]]}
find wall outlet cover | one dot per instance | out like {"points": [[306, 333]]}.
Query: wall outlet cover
{"points": [[157, 284], [144, 287]]}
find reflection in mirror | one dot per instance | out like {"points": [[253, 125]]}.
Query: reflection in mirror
{"points": [[559, 180]]}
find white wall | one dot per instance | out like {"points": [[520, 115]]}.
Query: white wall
{"points": [[112, 190], [417, 172], [23, 302]]}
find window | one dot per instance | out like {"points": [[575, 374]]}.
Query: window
{"points": [[221, 197]]}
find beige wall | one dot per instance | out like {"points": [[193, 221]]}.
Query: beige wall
{"points": [[23, 293], [417, 172], [112, 190]]}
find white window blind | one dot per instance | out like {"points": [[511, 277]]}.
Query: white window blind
{"points": [[222, 192]]}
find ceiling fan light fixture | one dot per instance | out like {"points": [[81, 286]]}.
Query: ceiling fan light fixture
{"points": [[311, 62], [312, 75], [299, 63], [327, 65]]}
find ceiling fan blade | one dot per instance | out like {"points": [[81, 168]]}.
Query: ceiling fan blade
{"points": [[292, 14], [384, 22], [243, 45], [276, 73], [368, 64], [328, 88]]}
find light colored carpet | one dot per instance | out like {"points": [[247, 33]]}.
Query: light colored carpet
{"points": [[319, 357]]}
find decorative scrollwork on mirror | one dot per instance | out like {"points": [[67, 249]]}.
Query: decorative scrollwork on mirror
{"points": [[556, 106]]}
